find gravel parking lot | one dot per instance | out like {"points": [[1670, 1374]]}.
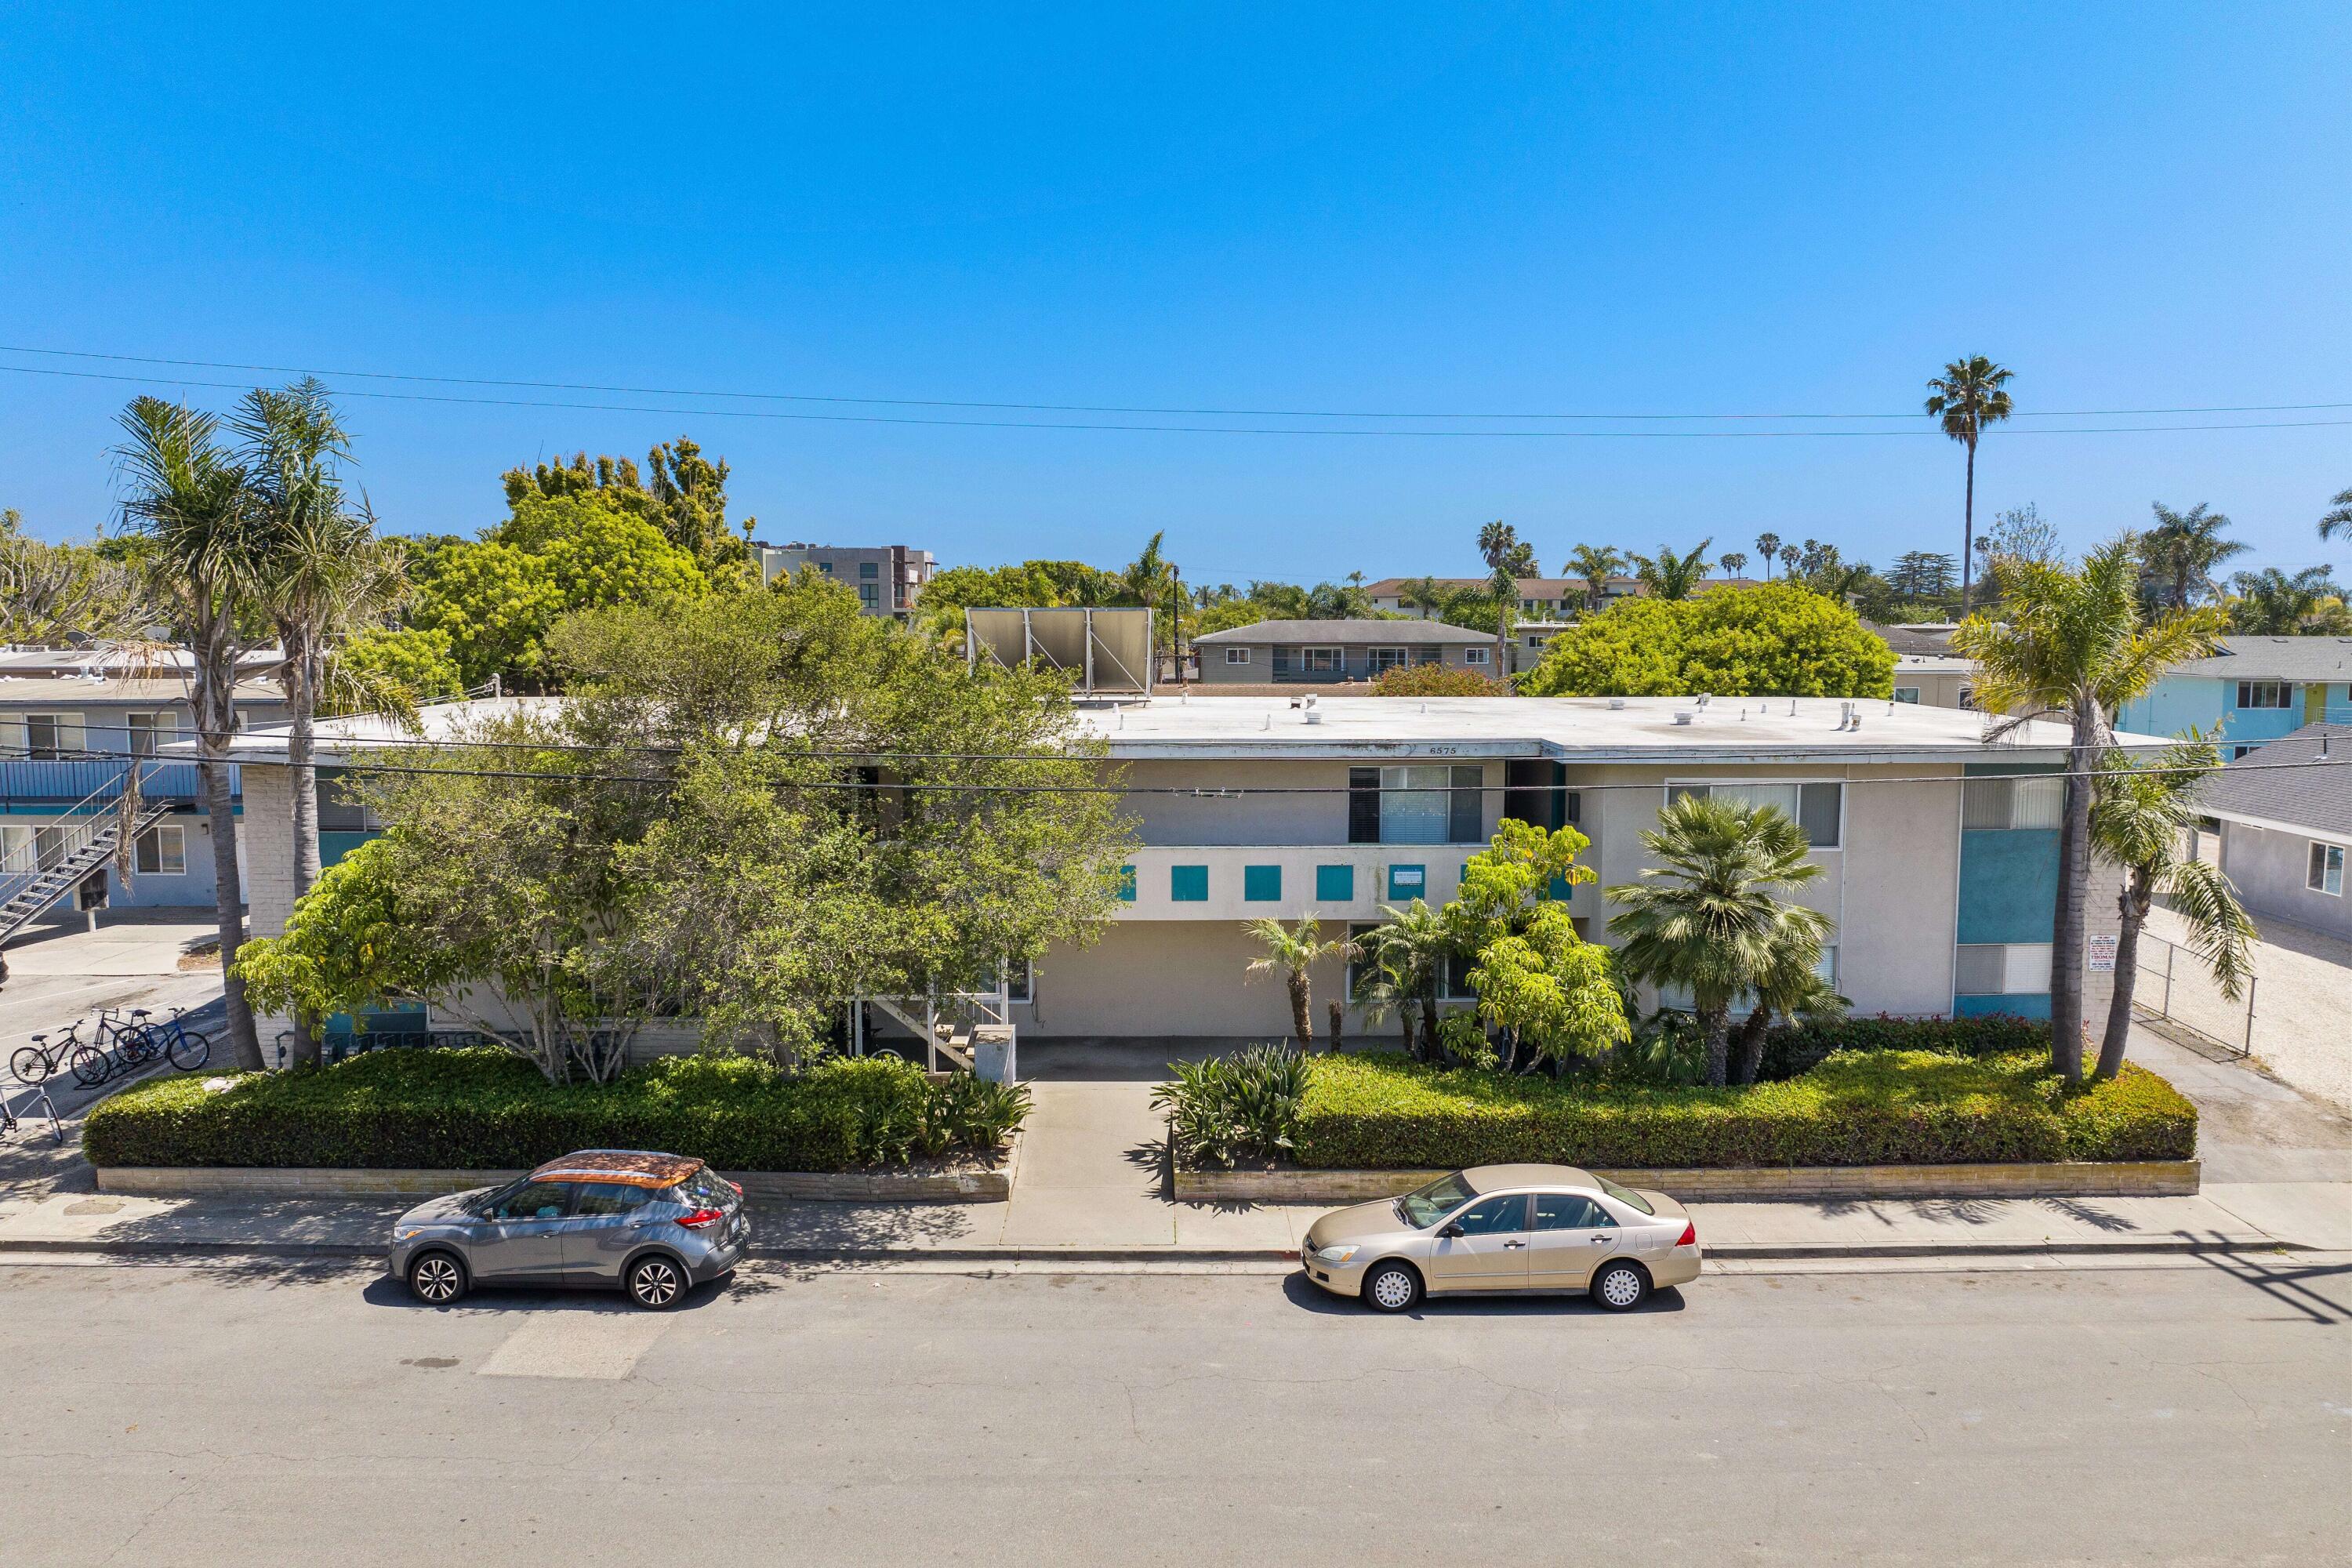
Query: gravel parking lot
{"points": [[2302, 1005]]}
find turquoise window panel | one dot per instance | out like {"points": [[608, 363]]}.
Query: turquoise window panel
{"points": [[334, 846], [1334, 884], [2009, 885], [1407, 883], [1187, 884], [1127, 884], [1262, 884], [2035, 1005]]}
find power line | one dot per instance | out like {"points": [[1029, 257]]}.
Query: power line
{"points": [[1342, 432]]}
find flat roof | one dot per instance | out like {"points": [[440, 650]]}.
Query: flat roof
{"points": [[1398, 633]]}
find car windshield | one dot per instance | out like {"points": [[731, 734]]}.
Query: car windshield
{"points": [[481, 1204], [1624, 1194], [703, 1190], [1425, 1207]]}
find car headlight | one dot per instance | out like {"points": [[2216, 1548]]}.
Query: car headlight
{"points": [[405, 1234], [1335, 1253]]}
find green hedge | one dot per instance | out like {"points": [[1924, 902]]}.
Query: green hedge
{"points": [[490, 1110], [1790, 1050], [1856, 1108]]}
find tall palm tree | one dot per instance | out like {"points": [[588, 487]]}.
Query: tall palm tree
{"points": [[2271, 604], [1508, 559], [2137, 823], [1789, 556], [1768, 550], [1149, 580], [184, 492], [1733, 562], [1423, 594], [1409, 951], [1969, 396], [1709, 918], [1671, 576], [2071, 646], [2184, 547], [2338, 519], [1596, 563], [1293, 952]]}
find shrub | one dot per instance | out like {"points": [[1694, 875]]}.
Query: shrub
{"points": [[490, 1109], [1857, 1108], [1437, 680], [1790, 1050], [1228, 1107]]}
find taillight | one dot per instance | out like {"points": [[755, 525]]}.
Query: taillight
{"points": [[701, 1218], [1689, 1237]]}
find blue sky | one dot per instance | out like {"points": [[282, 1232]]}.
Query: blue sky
{"points": [[1504, 209]]}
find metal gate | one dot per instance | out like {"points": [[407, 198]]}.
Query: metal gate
{"points": [[2176, 993]]}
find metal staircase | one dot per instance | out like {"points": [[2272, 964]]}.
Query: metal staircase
{"points": [[949, 1027], [90, 832]]}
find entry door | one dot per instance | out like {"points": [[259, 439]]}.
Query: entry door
{"points": [[1572, 1234], [524, 1239], [1491, 1253]]}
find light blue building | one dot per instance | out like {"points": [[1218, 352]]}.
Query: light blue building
{"points": [[2255, 690]]}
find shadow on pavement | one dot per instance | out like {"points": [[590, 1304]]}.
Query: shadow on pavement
{"points": [[1310, 1297], [2291, 1285], [386, 1292]]}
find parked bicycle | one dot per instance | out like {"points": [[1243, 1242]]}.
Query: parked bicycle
{"points": [[34, 1063], [186, 1049]]}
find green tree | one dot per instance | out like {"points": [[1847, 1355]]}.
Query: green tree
{"points": [[2269, 603], [1768, 550], [1709, 918], [1508, 559], [1774, 639], [2071, 646], [1733, 562], [1409, 952], [2338, 518], [1550, 990], [416, 660], [1923, 575], [2181, 550], [51, 592], [1789, 985], [1595, 563], [687, 498], [1425, 595], [1293, 952], [2139, 821], [1970, 396], [1671, 576]]}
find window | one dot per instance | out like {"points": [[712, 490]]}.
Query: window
{"points": [[869, 596], [1999, 969], [1262, 884], [1495, 1216], [149, 732], [1906, 694], [2264, 693], [2237, 752], [51, 735], [2326, 872], [1127, 884], [1237, 655], [1407, 883], [1967, 697], [534, 1200], [2006, 802], [1324, 659], [1434, 805], [1377, 659], [1334, 884], [867, 571], [1187, 884], [1021, 981], [1480, 655], [608, 1198], [1571, 1211], [1814, 807], [164, 850]]}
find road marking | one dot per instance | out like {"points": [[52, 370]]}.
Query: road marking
{"points": [[577, 1342]]}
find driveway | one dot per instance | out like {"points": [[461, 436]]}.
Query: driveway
{"points": [[2301, 1002]]}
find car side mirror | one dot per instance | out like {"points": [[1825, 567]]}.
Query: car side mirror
{"points": [[1454, 1228]]}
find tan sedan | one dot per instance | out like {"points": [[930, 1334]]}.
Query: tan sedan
{"points": [[1505, 1227]]}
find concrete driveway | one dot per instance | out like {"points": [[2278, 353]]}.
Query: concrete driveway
{"points": [[2301, 1002]]}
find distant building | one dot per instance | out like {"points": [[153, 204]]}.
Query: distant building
{"points": [[2286, 826], [1328, 652], [888, 578], [1541, 598], [2253, 690]]}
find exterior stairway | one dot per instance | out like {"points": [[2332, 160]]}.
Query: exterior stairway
{"points": [[29, 894], [974, 1034]]}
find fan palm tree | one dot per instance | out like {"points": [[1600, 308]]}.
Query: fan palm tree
{"points": [[1790, 986], [2271, 604], [2339, 518], [2183, 548], [1789, 556], [1596, 563], [1426, 595], [1969, 396], [1409, 951], [1733, 562], [1507, 560], [1671, 576], [1768, 550], [1709, 918], [2071, 646], [1293, 952], [2137, 823], [184, 492]]}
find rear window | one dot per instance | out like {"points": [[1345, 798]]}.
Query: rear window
{"points": [[704, 1190], [1625, 1196]]}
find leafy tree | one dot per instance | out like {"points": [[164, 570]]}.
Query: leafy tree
{"points": [[1550, 990], [1967, 398], [1768, 550], [2072, 646], [2018, 534], [1671, 576], [1709, 918], [687, 498], [1281, 601], [1225, 617], [2137, 822], [2181, 550], [414, 659], [1436, 679], [1425, 595], [49, 592], [1923, 575], [1595, 563], [1774, 639], [1292, 952]]}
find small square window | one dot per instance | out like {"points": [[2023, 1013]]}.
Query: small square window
{"points": [[1237, 655], [1262, 884], [1906, 694], [1481, 655], [869, 569], [1334, 884], [164, 850], [2326, 874], [1187, 884]]}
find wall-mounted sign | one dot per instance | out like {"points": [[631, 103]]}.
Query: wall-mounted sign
{"points": [[2102, 955]]}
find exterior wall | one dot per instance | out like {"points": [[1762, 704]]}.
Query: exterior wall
{"points": [[1936, 689], [897, 576], [1173, 980], [2269, 868], [2180, 702], [1261, 668]]}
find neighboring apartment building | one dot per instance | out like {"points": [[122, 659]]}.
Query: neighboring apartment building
{"points": [[1328, 652], [1938, 849], [1541, 598], [2286, 814], [2253, 690], [888, 578]]}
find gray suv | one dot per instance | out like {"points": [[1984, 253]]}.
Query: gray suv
{"points": [[653, 1225]]}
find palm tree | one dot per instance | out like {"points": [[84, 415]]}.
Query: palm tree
{"points": [[1709, 918], [1293, 952], [1150, 581], [1968, 397], [2184, 547], [186, 493], [2271, 604], [1671, 576], [1409, 951], [1425, 595], [2137, 823], [2071, 646], [1768, 550], [1789, 556], [1507, 560], [1790, 987], [1733, 564], [2339, 519], [1596, 563]]}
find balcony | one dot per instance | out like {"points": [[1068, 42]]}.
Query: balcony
{"points": [[77, 778]]}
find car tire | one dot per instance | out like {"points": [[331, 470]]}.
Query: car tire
{"points": [[1392, 1287], [658, 1282], [1619, 1286], [437, 1277]]}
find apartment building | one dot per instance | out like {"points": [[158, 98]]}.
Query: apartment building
{"points": [[1541, 598], [2285, 818], [1328, 652], [888, 578], [2252, 690]]}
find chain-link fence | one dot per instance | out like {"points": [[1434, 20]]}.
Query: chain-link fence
{"points": [[2176, 996]]}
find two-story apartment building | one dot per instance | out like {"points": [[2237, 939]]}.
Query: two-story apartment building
{"points": [[1328, 652], [888, 578], [2285, 818], [2253, 690], [1541, 598]]}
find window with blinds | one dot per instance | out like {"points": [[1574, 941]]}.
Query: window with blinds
{"points": [[1817, 809], [2023, 801]]}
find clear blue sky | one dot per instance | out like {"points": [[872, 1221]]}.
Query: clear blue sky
{"points": [[1492, 208]]}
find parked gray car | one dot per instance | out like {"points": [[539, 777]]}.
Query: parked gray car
{"points": [[653, 1225]]}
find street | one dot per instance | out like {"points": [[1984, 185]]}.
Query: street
{"points": [[2190, 1411]]}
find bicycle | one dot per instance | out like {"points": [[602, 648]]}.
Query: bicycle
{"points": [[186, 1049], [32, 1064], [129, 1042]]}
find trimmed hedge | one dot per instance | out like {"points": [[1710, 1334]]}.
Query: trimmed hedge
{"points": [[490, 1110], [1790, 1050], [1856, 1108]]}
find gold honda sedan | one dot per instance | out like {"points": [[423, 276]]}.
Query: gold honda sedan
{"points": [[1505, 1227]]}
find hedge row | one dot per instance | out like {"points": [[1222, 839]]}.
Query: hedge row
{"points": [[1792, 1049], [490, 1110], [1865, 1107]]}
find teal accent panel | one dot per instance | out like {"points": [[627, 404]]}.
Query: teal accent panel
{"points": [[1334, 884], [2033, 1006], [334, 846], [1262, 884], [1561, 889], [2009, 885], [1127, 884], [1407, 883], [1187, 884], [399, 1020]]}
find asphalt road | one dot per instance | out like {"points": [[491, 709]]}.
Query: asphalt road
{"points": [[248, 1413]]}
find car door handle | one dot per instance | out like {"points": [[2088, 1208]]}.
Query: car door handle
{"points": [[1603, 1241], [1508, 1245]]}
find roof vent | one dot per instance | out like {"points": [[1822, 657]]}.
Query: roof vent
{"points": [[1685, 715], [1616, 704], [1313, 717]]}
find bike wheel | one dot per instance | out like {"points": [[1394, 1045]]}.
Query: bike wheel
{"points": [[134, 1046], [30, 1064], [91, 1066], [188, 1051]]}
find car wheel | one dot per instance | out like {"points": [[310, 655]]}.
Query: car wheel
{"points": [[436, 1278], [1621, 1287], [656, 1283], [1392, 1287]]}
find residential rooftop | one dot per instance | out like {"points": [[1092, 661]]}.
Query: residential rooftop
{"points": [[1397, 634], [2286, 784], [2276, 658]]}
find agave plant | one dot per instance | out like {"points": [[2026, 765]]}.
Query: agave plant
{"points": [[1224, 1109]]}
